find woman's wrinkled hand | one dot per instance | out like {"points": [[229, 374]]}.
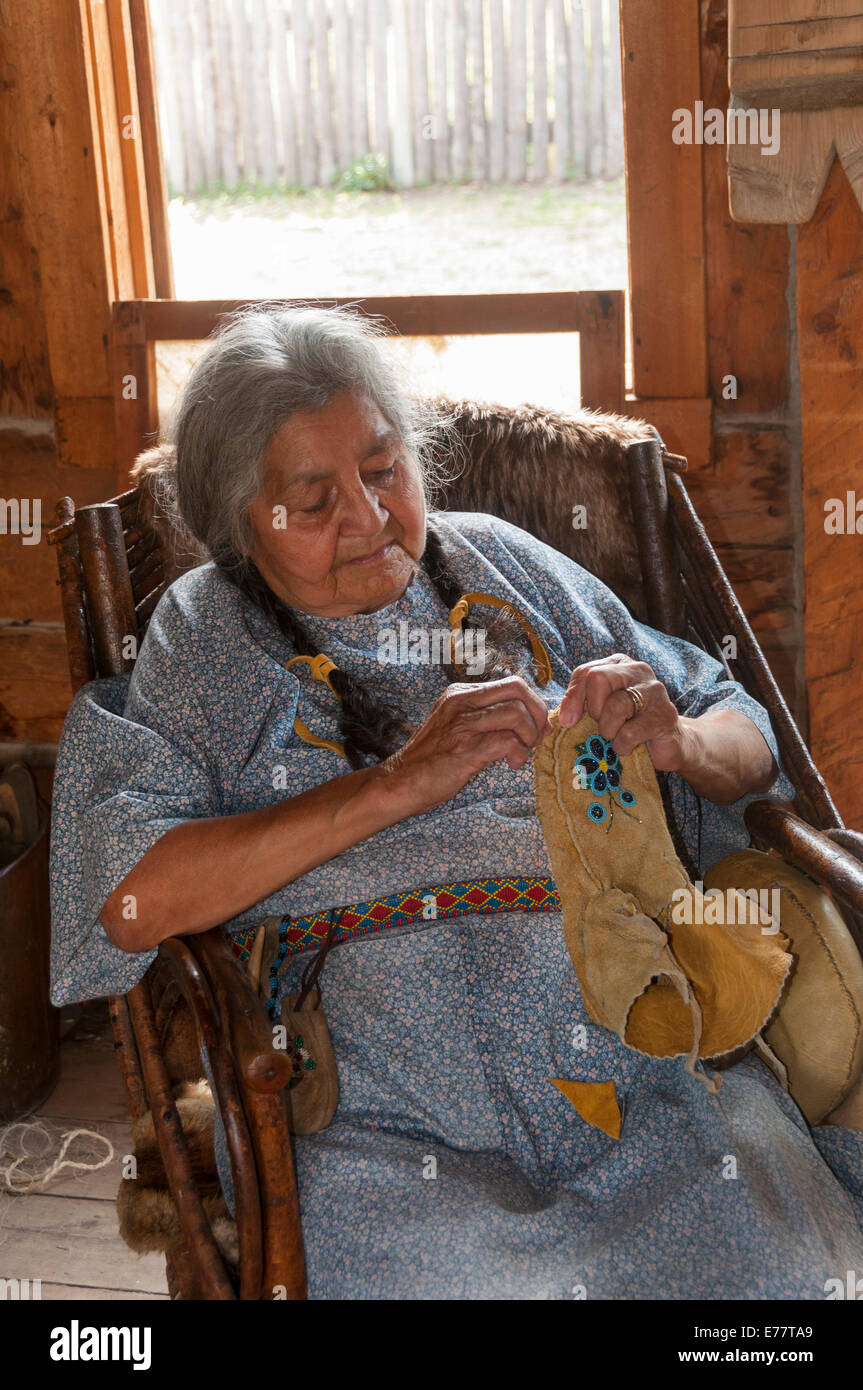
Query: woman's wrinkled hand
{"points": [[469, 728], [600, 687]]}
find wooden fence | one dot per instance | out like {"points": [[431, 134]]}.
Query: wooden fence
{"points": [[293, 93]]}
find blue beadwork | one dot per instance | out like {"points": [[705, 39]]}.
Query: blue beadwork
{"points": [[597, 768], [273, 1004]]}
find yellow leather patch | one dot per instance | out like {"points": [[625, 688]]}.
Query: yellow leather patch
{"points": [[595, 1101]]}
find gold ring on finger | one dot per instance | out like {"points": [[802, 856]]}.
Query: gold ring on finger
{"points": [[637, 700]]}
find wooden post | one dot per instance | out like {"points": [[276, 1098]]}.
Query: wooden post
{"points": [[155, 191], [440, 115], [381, 144], [205, 54], [830, 347], [343, 83], [497, 133], [516, 161], [163, 52], [92, 233], [262, 101], [223, 94], [561, 93], [402, 124], [596, 145], [323, 93], [478, 151], [134, 386], [305, 133], [665, 203], [284, 86], [540, 94], [251, 170], [423, 131], [602, 352], [578, 91], [359, 49], [131, 145], [115, 108], [178, 18], [614, 107], [458, 37]]}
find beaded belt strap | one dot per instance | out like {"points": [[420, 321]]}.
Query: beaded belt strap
{"points": [[482, 895]]}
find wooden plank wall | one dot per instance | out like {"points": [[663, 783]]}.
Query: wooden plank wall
{"points": [[286, 93], [829, 267], [713, 300], [766, 398], [749, 493], [34, 686], [74, 235]]}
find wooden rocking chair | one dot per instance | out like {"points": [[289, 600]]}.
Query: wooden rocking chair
{"points": [[530, 467]]}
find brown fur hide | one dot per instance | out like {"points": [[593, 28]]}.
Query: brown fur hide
{"points": [[531, 466], [146, 1213], [145, 1209]]}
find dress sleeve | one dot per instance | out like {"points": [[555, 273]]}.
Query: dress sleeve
{"points": [[592, 622], [132, 764]]}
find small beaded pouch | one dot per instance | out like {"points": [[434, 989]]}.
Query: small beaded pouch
{"points": [[313, 1093]]}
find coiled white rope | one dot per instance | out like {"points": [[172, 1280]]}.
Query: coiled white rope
{"points": [[33, 1153]]}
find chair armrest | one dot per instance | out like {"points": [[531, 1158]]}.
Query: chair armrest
{"points": [[851, 840], [265, 1068], [248, 1075], [213, 1277], [773, 825], [261, 1072]]}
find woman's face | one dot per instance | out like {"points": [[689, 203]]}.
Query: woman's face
{"points": [[339, 523]]}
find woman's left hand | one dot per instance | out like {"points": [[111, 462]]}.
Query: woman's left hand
{"points": [[601, 687], [721, 753]]}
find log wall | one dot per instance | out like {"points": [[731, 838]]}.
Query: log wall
{"points": [[34, 686]]}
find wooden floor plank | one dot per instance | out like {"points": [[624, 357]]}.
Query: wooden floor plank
{"points": [[89, 1084], [73, 1292], [70, 1240]]}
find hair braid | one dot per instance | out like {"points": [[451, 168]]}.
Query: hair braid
{"points": [[370, 726], [504, 635]]}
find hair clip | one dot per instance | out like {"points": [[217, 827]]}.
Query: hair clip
{"points": [[458, 614], [321, 666]]}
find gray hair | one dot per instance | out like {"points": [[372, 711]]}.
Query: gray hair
{"points": [[265, 364]]}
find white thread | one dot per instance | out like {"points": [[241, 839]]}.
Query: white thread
{"points": [[30, 1144]]}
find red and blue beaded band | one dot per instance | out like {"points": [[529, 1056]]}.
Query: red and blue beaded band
{"points": [[512, 893]]}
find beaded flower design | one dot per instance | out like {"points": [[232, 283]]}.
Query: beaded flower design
{"points": [[597, 769], [301, 1062]]}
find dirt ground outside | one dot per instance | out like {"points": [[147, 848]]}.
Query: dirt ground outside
{"points": [[441, 240]]}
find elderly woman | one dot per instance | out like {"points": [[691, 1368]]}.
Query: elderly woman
{"points": [[227, 782]]}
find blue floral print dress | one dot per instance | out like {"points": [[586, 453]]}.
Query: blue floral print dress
{"points": [[453, 1167]]}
